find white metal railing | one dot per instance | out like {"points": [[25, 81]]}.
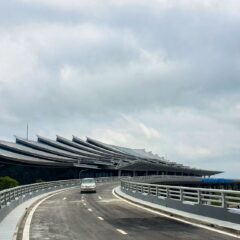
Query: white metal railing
{"points": [[9, 195], [163, 177], [203, 196]]}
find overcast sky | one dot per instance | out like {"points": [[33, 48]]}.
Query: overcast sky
{"points": [[162, 75]]}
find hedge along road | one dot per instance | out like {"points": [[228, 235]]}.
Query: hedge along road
{"points": [[101, 216]]}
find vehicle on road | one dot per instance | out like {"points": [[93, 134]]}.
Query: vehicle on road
{"points": [[88, 185]]}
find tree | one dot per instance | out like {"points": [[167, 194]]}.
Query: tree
{"points": [[8, 182]]}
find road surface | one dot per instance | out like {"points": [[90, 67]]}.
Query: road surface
{"points": [[101, 216]]}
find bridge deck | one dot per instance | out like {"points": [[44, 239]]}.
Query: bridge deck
{"points": [[71, 215]]}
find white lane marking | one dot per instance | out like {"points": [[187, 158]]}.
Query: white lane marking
{"points": [[84, 204], [109, 200], [174, 218], [99, 197], [26, 229], [89, 209], [77, 201], [64, 198], [121, 231], [100, 218]]}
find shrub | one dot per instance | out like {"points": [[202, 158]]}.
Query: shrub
{"points": [[39, 180], [8, 182]]}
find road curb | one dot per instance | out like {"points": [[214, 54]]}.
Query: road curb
{"points": [[18, 235], [214, 227]]}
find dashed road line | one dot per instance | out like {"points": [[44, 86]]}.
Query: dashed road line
{"points": [[100, 218], [109, 200], [99, 197], [64, 198], [121, 231], [89, 209]]}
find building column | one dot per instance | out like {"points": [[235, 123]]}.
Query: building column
{"points": [[119, 173]]}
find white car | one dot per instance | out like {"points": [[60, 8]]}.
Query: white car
{"points": [[88, 185]]}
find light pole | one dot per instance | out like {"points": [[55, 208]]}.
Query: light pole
{"points": [[27, 131]]}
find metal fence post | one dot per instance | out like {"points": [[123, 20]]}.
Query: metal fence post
{"points": [[5, 198], [224, 203], [181, 195], [199, 197], [167, 192]]}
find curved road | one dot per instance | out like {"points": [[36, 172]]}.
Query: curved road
{"points": [[101, 216]]}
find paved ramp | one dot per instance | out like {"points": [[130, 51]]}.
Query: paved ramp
{"points": [[72, 216]]}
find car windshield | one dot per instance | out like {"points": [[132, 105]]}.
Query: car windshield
{"points": [[88, 180]]}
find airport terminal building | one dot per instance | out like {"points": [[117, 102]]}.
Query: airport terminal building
{"points": [[48, 159]]}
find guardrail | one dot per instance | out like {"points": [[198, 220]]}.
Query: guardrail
{"points": [[9, 195], [164, 178], [203, 196], [214, 204], [10, 198]]}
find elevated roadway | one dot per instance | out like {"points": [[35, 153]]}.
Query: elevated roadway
{"points": [[101, 216]]}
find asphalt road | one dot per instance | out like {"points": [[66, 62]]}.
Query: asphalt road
{"points": [[101, 216]]}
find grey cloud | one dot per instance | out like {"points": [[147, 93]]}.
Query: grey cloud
{"points": [[174, 70]]}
